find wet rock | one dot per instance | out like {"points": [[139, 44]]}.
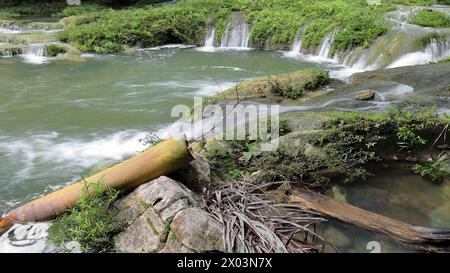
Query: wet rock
{"points": [[365, 95]]}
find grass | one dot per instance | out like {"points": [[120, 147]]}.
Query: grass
{"points": [[90, 223], [430, 18]]}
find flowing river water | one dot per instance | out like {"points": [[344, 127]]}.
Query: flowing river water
{"points": [[61, 120]]}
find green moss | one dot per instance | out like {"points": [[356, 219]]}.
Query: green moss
{"points": [[152, 227], [89, 223]]}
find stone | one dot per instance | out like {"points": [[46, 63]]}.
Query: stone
{"points": [[144, 235], [174, 246], [160, 193], [202, 235], [196, 175], [365, 95], [161, 216]]}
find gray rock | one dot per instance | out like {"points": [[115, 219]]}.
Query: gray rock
{"points": [[204, 234], [160, 193], [174, 246], [144, 235], [160, 217], [196, 175]]}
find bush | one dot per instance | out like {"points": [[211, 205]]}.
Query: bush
{"points": [[90, 223], [434, 170], [53, 50]]}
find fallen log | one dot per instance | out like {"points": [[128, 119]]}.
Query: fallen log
{"points": [[426, 238], [161, 159]]}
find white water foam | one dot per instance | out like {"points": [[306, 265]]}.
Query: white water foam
{"points": [[34, 54], [434, 51], [80, 152], [199, 87], [32, 238]]}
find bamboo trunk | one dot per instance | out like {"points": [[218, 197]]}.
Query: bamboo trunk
{"points": [[427, 238], [161, 159]]}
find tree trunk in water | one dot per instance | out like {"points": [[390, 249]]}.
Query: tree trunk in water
{"points": [[427, 238], [161, 159]]}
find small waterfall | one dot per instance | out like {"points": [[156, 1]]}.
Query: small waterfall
{"points": [[6, 53], [237, 33], [34, 54], [435, 51], [325, 46], [297, 45], [7, 28], [210, 37], [438, 49]]}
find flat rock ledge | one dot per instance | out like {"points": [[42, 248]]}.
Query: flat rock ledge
{"points": [[164, 216]]}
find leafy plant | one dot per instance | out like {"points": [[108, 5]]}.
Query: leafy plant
{"points": [[89, 223], [408, 140], [434, 170]]}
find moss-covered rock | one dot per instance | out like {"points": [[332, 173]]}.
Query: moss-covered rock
{"points": [[285, 86], [11, 49], [53, 50]]}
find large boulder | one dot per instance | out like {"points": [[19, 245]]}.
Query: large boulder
{"points": [[159, 219]]}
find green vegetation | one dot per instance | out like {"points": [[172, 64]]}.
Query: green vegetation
{"points": [[90, 223], [293, 89], [233, 158], [14, 10], [342, 147], [430, 18], [275, 23], [52, 50], [80, 10], [290, 85], [418, 2], [434, 170], [445, 60]]}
